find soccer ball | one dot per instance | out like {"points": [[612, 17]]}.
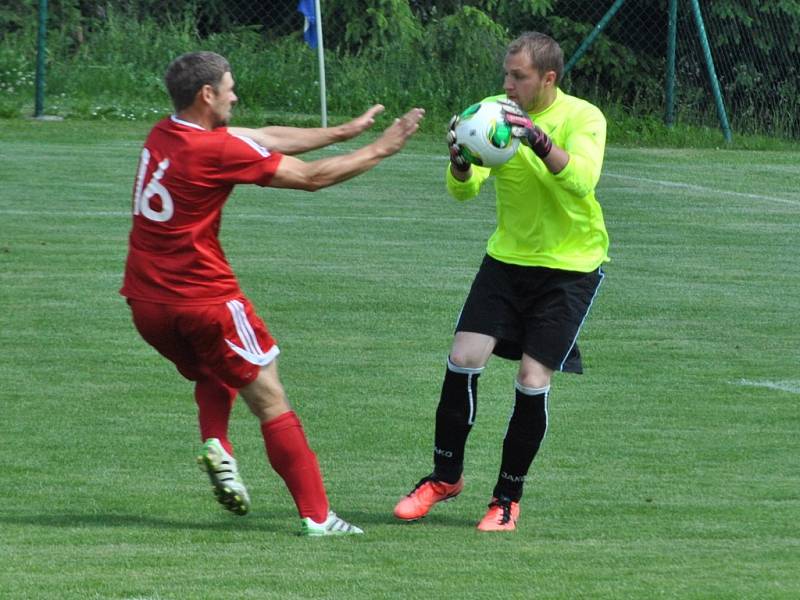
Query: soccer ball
{"points": [[484, 136]]}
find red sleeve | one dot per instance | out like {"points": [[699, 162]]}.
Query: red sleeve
{"points": [[244, 161]]}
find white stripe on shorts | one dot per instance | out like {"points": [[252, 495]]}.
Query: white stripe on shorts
{"points": [[586, 314], [252, 351]]}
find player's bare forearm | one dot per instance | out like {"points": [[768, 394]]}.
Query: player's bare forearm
{"points": [[296, 140], [318, 174], [290, 140]]}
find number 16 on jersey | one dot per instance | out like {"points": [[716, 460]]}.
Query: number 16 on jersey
{"points": [[145, 192]]}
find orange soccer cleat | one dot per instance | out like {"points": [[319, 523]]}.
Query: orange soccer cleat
{"points": [[425, 494], [501, 516]]}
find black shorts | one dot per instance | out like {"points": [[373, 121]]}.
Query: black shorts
{"points": [[535, 310]]}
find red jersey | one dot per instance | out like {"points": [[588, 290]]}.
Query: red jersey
{"points": [[185, 176]]}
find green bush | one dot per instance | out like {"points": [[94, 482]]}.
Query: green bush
{"points": [[106, 61]]}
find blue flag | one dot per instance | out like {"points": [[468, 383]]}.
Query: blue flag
{"points": [[310, 28]]}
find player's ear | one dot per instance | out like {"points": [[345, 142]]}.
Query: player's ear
{"points": [[206, 94], [550, 78]]}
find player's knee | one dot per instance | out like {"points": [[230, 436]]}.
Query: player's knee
{"points": [[533, 379], [533, 374], [265, 396], [268, 406], [464, 359], [272, 394]]}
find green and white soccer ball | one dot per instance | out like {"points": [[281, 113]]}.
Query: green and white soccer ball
{"points": [[483, 135]]}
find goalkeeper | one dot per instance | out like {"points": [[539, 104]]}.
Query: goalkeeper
{"points": [[539, 277]]}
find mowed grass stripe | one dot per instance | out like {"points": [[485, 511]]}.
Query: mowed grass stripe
{"points": [[663, 475]]}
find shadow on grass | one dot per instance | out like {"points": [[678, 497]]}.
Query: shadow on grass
{"points": [[365, 519], [260, 523], [83, 520]]}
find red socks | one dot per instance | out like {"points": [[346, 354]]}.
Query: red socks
{"points": [[214, 403], [291, 457], [284, 439]]}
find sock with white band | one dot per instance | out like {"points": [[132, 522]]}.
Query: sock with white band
{"points": [[526, 430], [455, 416]]}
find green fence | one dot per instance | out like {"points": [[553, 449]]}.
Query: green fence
{"points": [[105, 59]]}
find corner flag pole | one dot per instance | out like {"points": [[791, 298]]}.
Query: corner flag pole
{"points": [[669, 89], [40, 59], [323, 105]]}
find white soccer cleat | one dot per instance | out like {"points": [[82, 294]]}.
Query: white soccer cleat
{"points": [[226, 482], [333, 525]]}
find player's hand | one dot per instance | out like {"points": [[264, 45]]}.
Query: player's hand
{"points": [[526, 130], [457, 159], [361, 123], [395, 136]]}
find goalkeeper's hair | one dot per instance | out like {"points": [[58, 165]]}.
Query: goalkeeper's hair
{"points": [[187, 74], [544, 52]]}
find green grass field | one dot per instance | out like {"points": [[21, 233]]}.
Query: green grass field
{"points": [[671, 468]]}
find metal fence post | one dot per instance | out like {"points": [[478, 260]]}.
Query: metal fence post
{"points": [[712, 74], [598, 29]]}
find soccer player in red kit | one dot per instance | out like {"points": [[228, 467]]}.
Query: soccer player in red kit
{"points": [[184, 297]]}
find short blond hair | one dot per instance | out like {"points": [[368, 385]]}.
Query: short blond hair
{"points": [[544, 52]]}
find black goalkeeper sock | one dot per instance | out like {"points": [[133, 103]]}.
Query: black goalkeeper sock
{"points": [[526, 430], [454, 418]]}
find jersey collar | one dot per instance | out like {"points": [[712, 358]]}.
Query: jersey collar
{"points": [[175, 119]]}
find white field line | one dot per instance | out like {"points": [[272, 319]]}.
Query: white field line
{"points": [[793, 387], [704, 189], [265, 216], [657, 182]]}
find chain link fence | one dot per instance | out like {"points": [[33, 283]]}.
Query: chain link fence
{"points": [[440, 54]]}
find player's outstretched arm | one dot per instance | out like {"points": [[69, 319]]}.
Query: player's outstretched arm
{"points": [[296, 140], [297, 174]]}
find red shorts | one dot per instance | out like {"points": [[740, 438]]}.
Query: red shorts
{"points": [[226, 340]]}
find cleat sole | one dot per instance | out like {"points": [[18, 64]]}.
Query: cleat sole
{"points": [[230, 500]]}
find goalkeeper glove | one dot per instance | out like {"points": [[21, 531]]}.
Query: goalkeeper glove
{"points": [[522, 127], [457, 159]]}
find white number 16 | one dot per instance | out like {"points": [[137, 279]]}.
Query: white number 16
{"points": [[154, 187]]}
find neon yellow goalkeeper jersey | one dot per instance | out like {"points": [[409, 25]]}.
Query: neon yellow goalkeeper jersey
{"points": [[543, 219]]}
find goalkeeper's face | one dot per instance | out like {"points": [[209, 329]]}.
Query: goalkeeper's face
{"points": [[526, 85], [223, 101]]}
